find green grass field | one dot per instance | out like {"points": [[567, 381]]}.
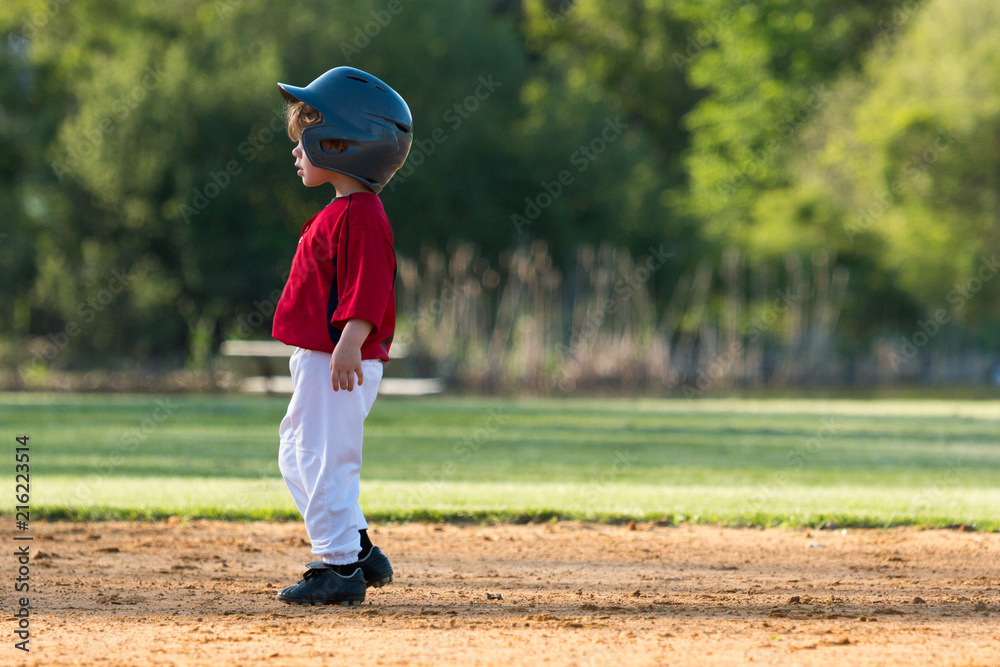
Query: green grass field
{"points": [[735, 462]]}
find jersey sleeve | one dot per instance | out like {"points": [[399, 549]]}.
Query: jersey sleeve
{"points": [[369, 269]]}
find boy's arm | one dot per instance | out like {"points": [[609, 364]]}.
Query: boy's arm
{"points": [[366, 266], [346, 360]]}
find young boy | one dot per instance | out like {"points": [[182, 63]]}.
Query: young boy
{"points": [[338, 309]]}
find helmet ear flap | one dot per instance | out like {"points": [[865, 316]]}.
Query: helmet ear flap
{"points": [[337, 146]]}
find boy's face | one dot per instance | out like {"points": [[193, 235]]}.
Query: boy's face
{"points": [[311, 174]]}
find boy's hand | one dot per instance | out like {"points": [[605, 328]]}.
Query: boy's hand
{"points": [[346, 360], [344, 365]]}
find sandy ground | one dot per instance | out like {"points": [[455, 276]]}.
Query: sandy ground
{"points": [[202, 593]]}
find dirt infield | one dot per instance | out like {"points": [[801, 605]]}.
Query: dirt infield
{"points": [[202, 592]]}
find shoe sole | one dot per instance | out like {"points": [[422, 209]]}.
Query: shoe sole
{"points": [[313, 603], [384, 581]]}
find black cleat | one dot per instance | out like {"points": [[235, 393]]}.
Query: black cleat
{"points": [[376, 568], [323, 584]]}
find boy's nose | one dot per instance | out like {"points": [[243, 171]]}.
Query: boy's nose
{"points": [[297, 151]]}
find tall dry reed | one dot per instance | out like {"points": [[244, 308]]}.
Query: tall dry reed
{"points": [[725, 325]]}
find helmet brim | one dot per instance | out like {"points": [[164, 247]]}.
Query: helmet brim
{"points": [[291, 93]]}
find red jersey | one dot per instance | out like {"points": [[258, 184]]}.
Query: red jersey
{"points": [[344, 268]]}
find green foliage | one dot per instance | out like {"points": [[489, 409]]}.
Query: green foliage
{"points": [[597, 60], [170, 163], [909, 151], [146, 139], [766, 68]]}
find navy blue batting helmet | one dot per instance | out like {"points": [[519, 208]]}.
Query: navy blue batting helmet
{"points": [[362, 111]]}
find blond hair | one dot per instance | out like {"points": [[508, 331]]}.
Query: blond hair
{"points": [[300, 116]]}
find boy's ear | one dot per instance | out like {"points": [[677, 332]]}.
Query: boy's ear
{"points": [[333, 146]]}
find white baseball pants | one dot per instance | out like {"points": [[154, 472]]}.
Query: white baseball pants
{"points": [[320, 453]]}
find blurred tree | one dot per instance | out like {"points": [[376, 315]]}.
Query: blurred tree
{"points": [[596, 65], [31, 107], [143, 145], [145, 160], [460, 66], [766, 69], [908, 152], [173, 168]]}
